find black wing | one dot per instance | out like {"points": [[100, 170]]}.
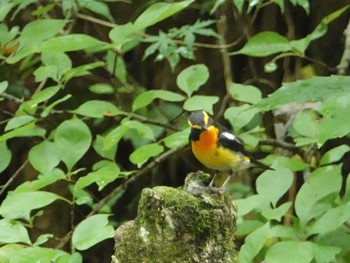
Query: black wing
{"points": [[228, 140]]}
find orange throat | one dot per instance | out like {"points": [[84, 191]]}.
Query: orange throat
{"points": [[205, 148], [207, 140]]}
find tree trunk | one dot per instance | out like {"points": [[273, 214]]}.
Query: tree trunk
{"points": [[191, 224]]}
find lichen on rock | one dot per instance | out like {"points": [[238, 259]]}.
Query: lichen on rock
{"points": [[189, 224]]}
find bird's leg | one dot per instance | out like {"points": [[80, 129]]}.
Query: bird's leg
{"points": [[226, 181], [211, 184]]}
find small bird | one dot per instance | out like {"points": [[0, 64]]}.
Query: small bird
{"points": [[216, 147]]}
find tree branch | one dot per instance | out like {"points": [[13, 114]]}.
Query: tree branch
{"points": [[13, 177]]}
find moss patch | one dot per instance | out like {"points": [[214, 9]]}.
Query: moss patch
{"points": [[177, 225]]}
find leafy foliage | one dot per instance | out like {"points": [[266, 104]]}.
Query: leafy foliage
{"points": [[85, 115]]}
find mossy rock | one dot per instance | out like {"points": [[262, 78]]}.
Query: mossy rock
{"points": [[192, 224]]}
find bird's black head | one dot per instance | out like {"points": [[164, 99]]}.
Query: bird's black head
{"points": [[199, 120]]}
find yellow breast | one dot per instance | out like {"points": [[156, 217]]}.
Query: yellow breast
{"points": [[209, 154]]}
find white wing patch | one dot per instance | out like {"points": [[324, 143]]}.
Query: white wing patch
{"points": [[229, 136]]}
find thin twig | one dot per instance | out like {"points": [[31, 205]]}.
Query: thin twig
{"points": [[345, 59], [142, 34], [96, 20], [150, 121], [40, 87], [13, 177], [11, 97], [280, 144], [132, 179], [64, 240]]}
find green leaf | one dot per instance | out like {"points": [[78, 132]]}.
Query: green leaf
{"points": [[143, 153], [60, 61], [147, 97], [310, 90], [274, 184], [43, 157], [305, 125], [41, 182], [97, 109], [251, 138], [5, 9], [91, 231], [68, 258], [177, 139], [12, 231], [245, 93], [37, 254], [81, 70], [301, 45], [3, 86], [158, 12], [334, 154], [6, 156], [104, 173], [43, 10], [199, 102], [286, 232], [336, 114], [112, 139], [325, 254], [246, 205], [247, 226], [8, 250], [26, 201], [72, 42], [27, 130], [42, 239], [264, 44], [240, 116], [18, 121], [281, 252], [254, 243], [122, 34], [321, 183], [72, 140], [46, 72], [29, 107], [49, 108], [239, 5], [144, 131], [293, 164], [101, 150], [101, 88], [190, 79], [304, 129], [332, 91], [277, 213], [97, 7], [33, 34], [330, 220]]}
